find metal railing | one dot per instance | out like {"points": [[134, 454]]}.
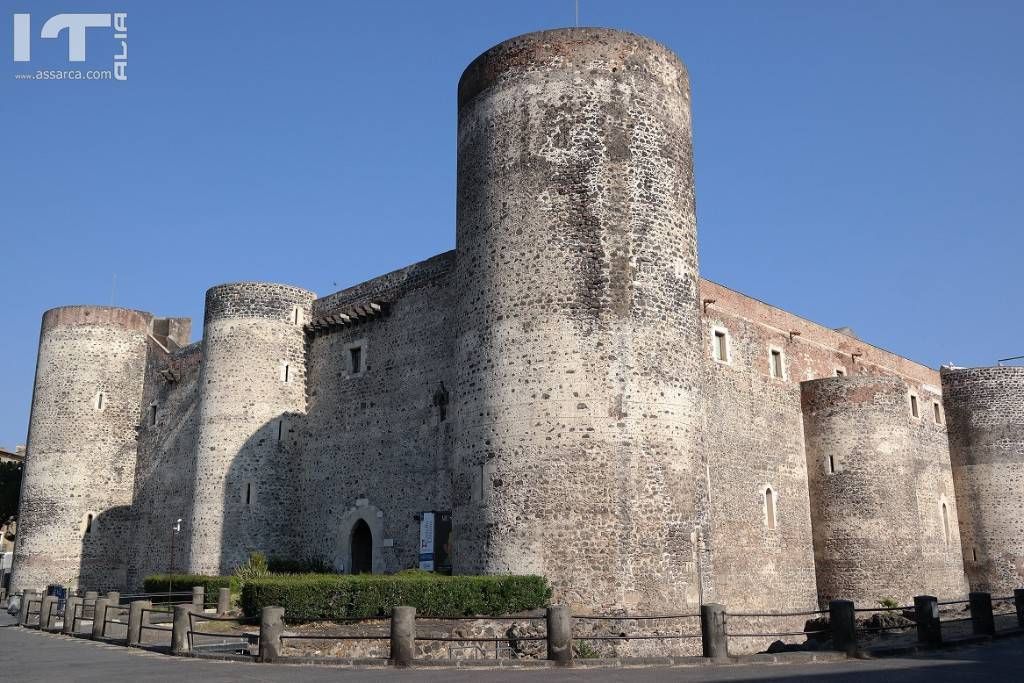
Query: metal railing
{"points": [[474, 643], [241, 621], [731, 616]]}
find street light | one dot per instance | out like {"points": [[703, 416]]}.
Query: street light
{"points": [[175, 529]]}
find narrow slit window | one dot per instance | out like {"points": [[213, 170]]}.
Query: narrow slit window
{"points": [[286, 373], [945, 523], [88, 523], [914, 410], [721, 346], [248, 493], [775, 363], [831, 464], [152, 416], [769, 507], [937, 409], [280, 430], [297, 315], [974, 554], [100, 401], [355, 356]]}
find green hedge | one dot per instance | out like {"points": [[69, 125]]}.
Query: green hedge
{"points": [[329, 597], [157, 583]]}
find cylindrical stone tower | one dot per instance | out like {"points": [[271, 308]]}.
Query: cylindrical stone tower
{"points": [[252, 391], [579, 353], [882, 514], [985, 418], [80, 462]]}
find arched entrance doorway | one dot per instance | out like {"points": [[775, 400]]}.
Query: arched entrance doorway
{"points": [[362, 548]]}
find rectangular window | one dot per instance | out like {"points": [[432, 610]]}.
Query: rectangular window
{"points": [[286, 373], [248, 493], [280, 429], [914, 411], [775, 364], [831, 464], [355, 356], [152, 416], [938, 412], [721, 346]]}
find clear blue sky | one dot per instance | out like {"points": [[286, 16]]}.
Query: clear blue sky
{"points": [[857, 163]]}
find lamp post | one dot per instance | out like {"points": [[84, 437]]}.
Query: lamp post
{"points": [[175, 528]]}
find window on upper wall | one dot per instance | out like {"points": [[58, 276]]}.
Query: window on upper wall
{"points": [[87, 524], [915, 411], [769, 508], [248, 494], [356, 358], [286, 372], [152, 415], [280, 430], [776, 364], [945, 523], [840, 372], [99, 402], [830, 463], [720, 345], [937, 411], [297, 315]]}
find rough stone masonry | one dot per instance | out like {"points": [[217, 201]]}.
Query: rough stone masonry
{"points": [[563, 384]]}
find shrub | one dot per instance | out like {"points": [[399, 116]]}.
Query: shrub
{"points": [[888, 603], [179, 583], [333, 597], [253, 568], [307, 565]]}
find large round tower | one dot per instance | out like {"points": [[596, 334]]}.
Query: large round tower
{"points": [[882, 500], [579, 349], [80, 462], [252, 390], [985, 417]]}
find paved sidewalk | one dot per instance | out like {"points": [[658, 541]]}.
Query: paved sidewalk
{"points": [[28, 655]]}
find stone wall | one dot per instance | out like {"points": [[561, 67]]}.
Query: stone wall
{"points": [[252, 391], [165, 470], [578, 363], [80, 462], [985, 413], [882, 505], [377, 444]]}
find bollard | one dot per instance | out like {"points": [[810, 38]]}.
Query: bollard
{"points": [[70, 608], [712, 631], [926, 614], [223, 600], [271, 628], [844, 627], [197, 598], [89, 603], [179, 630], [114, 598], [1018, 602], [982, 621], [136, 619], [403, 635], [559, 623], [99, 616], [27, 597], [46, 609]]}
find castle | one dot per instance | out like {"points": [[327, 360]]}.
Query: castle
{"points": [[562, 388]]}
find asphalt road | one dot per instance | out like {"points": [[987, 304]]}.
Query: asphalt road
{"points": [[27, 655]]}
